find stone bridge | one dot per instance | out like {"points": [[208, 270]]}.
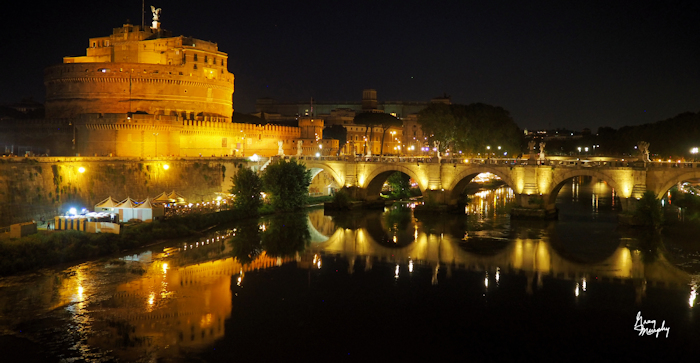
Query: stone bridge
{"points": [[536, 184]]}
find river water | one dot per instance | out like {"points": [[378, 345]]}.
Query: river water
{"points": [[372, 284]]}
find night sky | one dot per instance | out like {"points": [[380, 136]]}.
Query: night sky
{"points": [[551, 64]]}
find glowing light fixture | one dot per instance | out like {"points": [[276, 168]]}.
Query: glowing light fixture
{"points": [[81, 170], [166, 166]]}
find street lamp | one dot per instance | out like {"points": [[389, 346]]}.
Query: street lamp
{"points": [[694, 151]]}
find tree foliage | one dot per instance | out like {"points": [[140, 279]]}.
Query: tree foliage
{"points": [[287, 183], [377, 119], [648, 211], [400, 185], [336, 132], [247, 186], [471, 128], [671, 138]]}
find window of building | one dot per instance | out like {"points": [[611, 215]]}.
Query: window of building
{"points": [[222, 62], [195, 57], [195, 66], [206, 59]]}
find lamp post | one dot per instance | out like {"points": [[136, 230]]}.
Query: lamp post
{"points": [[694, 151]]}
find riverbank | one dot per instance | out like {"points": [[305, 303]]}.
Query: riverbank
{"points": [[48, 248]]}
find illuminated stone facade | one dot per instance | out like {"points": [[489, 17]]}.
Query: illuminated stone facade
{"points": [[144, 93], [149, 71]]}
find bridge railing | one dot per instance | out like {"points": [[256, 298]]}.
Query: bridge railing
{"points": [[572, 163]]}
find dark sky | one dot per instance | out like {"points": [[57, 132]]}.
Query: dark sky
{"points": [[551, 64]]}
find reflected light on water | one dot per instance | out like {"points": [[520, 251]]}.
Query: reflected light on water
{"points": [[410, 265], [576, 292], [583, 284], [486, 280], [165, 268], [396, 271], [498, 274], [693, 295]]}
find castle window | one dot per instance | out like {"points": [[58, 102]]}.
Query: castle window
{"points": [[195, 57], [222, 62], [206, 59], [94, 45], [195, 66], [106, 43]]}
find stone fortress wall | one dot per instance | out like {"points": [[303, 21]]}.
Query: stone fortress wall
{"points": [[31, 188], [73, 89]]}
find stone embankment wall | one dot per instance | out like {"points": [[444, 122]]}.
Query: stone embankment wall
{"points": [[32, 188]]}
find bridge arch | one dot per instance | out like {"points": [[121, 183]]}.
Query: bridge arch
{"points": [[670, 182], [465, 177], [317, 167], [561, 179], [375, 180]]}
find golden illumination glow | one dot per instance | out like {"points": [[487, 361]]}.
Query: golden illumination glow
{"points": [[81, 170], [165, 268], [166, 166], [693, 295], [576, 290]]}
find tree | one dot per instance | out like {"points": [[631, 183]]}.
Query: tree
{"points": [[648, 211], [471, 128], [372, 119], [287, 183], [400, 185], [336, 132], [246, 186]]}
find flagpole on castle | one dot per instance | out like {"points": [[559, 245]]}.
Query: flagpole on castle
{"points": [[142, 16]]}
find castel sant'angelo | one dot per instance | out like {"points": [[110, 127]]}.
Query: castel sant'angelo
{"points": [[141, 92]]}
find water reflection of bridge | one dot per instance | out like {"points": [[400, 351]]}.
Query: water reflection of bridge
{"points": [[535, 258]]}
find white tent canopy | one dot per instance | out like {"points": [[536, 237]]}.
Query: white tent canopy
{"points": [[126, 209], [146, 211], [106, 205]]}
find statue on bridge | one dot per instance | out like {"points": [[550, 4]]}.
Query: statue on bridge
{"points": [[280, 150], [542, 145], [531, 149], [436, 144], [644, 150], [299, 148]]}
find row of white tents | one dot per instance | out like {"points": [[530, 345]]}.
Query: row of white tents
{"points": [[146, 210]]}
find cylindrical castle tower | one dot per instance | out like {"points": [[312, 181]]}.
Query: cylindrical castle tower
{"points": [[142, 71]]}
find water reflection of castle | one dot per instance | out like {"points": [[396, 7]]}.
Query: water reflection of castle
{"points": [[175, 307]]}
